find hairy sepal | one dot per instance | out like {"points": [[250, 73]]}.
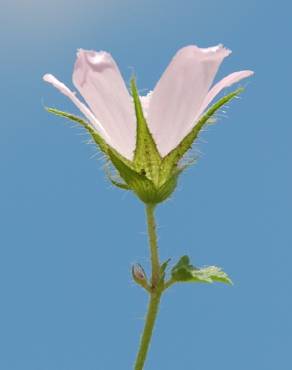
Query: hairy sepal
{"points": [[96, 137], [141, 185], [103, 146], [139, 174], [146, 156], [152, 178], [170, 161]]}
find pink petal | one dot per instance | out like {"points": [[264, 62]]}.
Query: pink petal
{"points": [[219, 86], [99, 81], [145, 101], [180, 92], [82, 107]]}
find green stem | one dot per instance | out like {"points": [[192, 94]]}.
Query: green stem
{"points": [[153, 244], [156, 291], [148, 330]]}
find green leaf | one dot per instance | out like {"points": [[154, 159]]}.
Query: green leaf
{"points": [[184, 271], [164, 265], [170, 161], [146, 157], [162, 272]]}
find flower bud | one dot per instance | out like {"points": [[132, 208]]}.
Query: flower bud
{"points": [[139, 275], [138, 272]]}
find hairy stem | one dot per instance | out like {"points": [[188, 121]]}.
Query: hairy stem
{"points": [[153, 244], [148, 330], [156, 291]]}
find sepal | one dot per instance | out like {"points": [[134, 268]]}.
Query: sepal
{"points": [[114, 178], [96, 137], [119, 185], [137, 182], [146, 155], [152, 178], [141, 185], [171, 160]]}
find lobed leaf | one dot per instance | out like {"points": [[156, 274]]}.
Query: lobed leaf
{"points": [[184, 271]]}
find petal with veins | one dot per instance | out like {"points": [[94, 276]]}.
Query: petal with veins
{"points": [[99, 81], [179, 94], [82, 107]]}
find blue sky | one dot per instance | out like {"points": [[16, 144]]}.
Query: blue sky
{"points": [[68, 239]]}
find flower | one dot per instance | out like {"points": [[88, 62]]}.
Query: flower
{"points": [[145, 137], [172, 109]]}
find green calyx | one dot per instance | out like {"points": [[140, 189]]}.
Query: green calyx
{"points": [[149, 176]]}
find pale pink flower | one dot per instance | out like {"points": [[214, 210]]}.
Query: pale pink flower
{"points": [[179, 99]]}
